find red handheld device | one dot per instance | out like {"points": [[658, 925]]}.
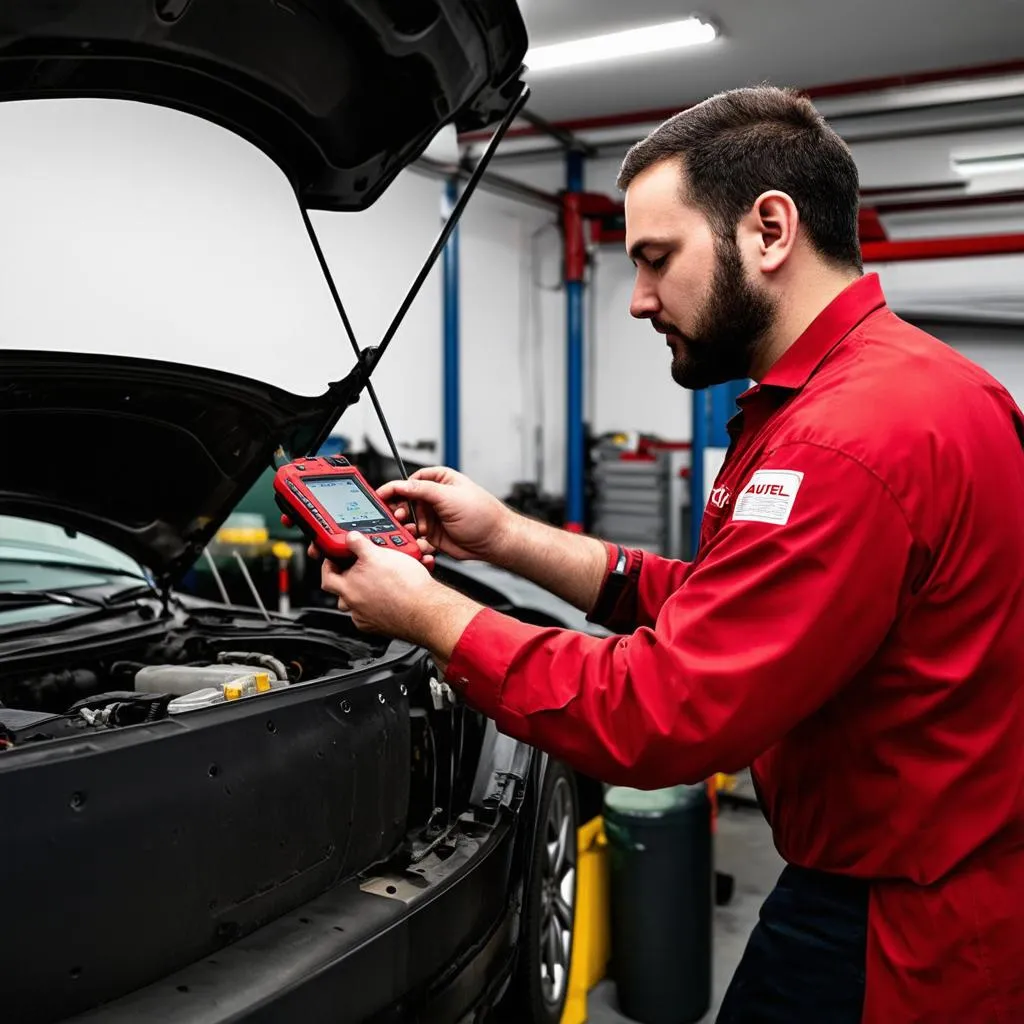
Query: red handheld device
{"points": [[327, 497]]}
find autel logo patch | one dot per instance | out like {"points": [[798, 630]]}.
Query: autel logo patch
{"points": [[769, 496]]}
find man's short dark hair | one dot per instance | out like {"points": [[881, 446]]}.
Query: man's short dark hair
{"points": [[740, 143]]}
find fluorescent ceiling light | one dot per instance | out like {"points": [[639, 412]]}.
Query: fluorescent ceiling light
{"points": [[633, 42]]}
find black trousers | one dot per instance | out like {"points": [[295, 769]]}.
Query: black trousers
{"points": [[804, 963]]}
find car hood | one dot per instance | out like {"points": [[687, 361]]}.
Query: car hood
{"points": [[341, 94], [164, 324], [150, 457]]}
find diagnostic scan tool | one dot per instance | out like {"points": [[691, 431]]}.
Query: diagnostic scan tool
{"points": [[327, 497]]}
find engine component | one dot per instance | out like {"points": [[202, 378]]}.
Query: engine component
{"points": [[442, 695], [180, 680], [52, 691], [233, 689], [267, 661], [193, 701], [17, 727], [122, 707]]}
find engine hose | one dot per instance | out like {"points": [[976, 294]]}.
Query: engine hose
{"points": [[252, 658]]}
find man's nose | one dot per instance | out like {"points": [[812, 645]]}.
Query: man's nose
{"points": [[644, 304]]}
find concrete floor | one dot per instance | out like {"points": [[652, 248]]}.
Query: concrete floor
{"points": [[744, 849]]}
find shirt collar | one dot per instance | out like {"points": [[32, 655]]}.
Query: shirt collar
{"points": [[794, 368]]}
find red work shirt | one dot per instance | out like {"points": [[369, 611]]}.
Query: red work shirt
{"points": [[852, 627]]}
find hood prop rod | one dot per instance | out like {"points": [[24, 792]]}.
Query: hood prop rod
{"points": [[359, 378]]}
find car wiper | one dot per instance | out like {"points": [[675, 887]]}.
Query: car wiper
{"points": [[31, 598], [130, 593]]}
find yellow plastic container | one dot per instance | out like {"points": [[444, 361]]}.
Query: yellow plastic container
{"points": [[592, 939]]}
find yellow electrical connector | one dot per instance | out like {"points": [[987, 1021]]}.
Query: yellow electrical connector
{"points": [[247, 686], [234, 691]]}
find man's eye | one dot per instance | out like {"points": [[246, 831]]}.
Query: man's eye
{"points": [[659, 262]]}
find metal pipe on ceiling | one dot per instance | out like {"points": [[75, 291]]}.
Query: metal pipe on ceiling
{"points": [[496, 184], [883, 126], [566, 139], [817, 93]]}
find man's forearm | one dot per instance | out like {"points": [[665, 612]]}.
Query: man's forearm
{"points": [[439, 622], [568, 564]]}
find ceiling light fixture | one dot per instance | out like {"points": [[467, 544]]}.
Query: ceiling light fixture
{"points": [[990, 163], [634, 42]]}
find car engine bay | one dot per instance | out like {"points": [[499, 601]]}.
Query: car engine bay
{"points": [[129, 681], [217, 655]]}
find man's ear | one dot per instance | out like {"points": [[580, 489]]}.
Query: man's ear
{"points": [[771, 228]]}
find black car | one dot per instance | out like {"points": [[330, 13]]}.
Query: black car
{"points": [[210, 814]]}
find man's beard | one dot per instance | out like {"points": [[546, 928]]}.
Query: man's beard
{"points": [[734, 319]]}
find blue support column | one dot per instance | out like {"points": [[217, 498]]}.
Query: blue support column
{"points": [[574, 252], [701, 430], [723, 408], [451, 333], [712, 409]]}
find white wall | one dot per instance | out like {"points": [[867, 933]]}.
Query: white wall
{"points": [[511, 376], [374, 257], [632, 384], [629, 386]]}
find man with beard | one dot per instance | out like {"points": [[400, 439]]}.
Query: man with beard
{"points": [[852, 624]]}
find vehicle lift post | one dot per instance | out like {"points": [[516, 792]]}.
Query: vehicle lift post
{"points": [[575, 270]]}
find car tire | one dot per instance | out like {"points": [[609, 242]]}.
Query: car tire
{"points": [[541, 984]]}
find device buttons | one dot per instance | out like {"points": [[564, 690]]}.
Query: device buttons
{"points": [[379, 541], [396, 540]]}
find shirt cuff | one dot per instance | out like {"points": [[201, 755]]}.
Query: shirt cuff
{"points": [[616, 604], [482, 657]]}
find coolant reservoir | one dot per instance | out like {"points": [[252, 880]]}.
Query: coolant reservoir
{"points": [[186, 679], [193, 701]]}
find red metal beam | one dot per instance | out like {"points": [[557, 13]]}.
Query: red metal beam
{"points": [[905, 249], [941, 248], [869, 225], [605, 215], [952, 202], [863, 85]]}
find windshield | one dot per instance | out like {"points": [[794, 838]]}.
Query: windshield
{"points": [[42, 557]]}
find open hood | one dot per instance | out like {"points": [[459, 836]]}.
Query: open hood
{"points": [[141, 261], [150, 457], [341, 94]]}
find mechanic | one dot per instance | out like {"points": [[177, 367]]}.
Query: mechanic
{"points": [[852, 625]]}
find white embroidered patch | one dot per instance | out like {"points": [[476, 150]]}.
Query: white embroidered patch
{"points": [[769, 496]]}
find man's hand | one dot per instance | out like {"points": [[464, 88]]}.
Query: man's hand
{"points": [[390, 593], [453, 514], [380, 588]]}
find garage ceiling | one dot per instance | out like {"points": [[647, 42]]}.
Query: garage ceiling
{"points": [[803, 43]]}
